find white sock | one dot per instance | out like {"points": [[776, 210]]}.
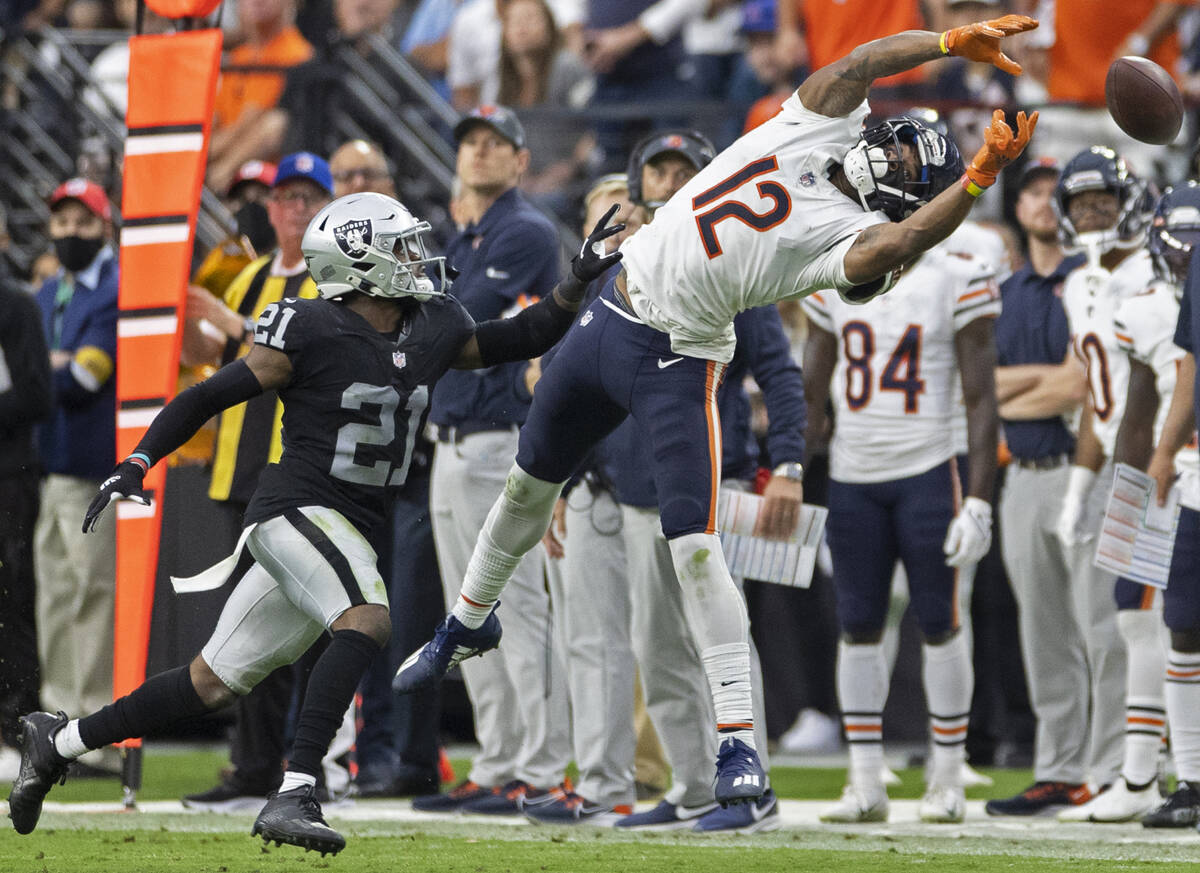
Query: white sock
{"points": [[293, 780], [67, 741], [949, 680], [728, 670], [1183, 713], [862, 680], [518, 519], [1145, 703]]}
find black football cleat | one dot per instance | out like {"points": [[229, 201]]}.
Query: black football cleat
{"points": [[41, 767], [294, 817]]}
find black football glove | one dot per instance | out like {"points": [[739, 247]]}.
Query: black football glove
{"points": [[589, 264], [125, 483]]}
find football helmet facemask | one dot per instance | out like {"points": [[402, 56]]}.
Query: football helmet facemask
{"points": [[1175, 232], [372, 244], [1101, 169], [875, 168]]}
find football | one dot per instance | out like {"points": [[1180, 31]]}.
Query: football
{"points": [[1143, 100]]}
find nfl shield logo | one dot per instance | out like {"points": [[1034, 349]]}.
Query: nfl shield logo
{"points": [[587, 316], [399, 360], [353, 237], [807, 180]]}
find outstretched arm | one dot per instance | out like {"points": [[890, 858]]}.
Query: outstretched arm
{"points": [[836, 89], [531, 332], [883, 248], [261, 370]]}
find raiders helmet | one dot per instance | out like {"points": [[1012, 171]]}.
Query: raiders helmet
{"points": [[873, 166], [1101, 169], [371, 243], [1175, 231]]}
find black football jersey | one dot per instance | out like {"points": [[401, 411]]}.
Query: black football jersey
{"points": [[355, 405]]}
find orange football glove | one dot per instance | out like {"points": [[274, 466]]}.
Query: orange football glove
{"points": [[981, 41], [1000, 148]]}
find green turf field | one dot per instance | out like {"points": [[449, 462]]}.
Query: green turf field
{"points": [[88, 841]]}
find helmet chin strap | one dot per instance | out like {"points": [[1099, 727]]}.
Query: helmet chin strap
{"points": [[1096, 243]]}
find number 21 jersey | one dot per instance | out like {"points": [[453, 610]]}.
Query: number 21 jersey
{"points": [[355, 404]]}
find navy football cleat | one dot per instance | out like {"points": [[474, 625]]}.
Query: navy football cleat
{"points": [[41, 767], [294, 817], [740, 776], [452, 643]]}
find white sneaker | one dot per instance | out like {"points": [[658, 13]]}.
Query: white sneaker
{"points": [[1117, 804], [814, 731], [888, 777], [10, 763], [943, 804], [858, 805]]}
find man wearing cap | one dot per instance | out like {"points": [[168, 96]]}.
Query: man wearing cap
{"points": [[506, 257], [248, 438], [1038, 383], [76, 575]]}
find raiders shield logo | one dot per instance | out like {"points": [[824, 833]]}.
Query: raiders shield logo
{"points": [[353, 237]]}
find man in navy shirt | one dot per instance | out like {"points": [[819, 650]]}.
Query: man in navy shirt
{"points": [[506, 257], [1039, 382]]}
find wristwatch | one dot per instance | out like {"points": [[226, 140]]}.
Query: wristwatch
{"points": [[793, 470]]}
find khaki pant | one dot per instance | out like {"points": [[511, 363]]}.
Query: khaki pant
{"points": [[76, 585]]}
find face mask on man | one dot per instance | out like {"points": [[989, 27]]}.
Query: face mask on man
{"points": [[76, 252]]}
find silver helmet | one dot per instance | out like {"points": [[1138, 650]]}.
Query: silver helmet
{"points": [[371, 243]]}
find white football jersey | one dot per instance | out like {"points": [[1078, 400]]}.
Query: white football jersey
{"points": [[1091, 295], [895, 389], [1145, 329], [760, 224]]}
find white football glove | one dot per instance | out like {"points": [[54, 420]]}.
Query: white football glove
{"points": [[970, 534], [1072, 528]]}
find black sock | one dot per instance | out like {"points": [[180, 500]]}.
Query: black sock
{"points": [[158, 702], [330, 689]]}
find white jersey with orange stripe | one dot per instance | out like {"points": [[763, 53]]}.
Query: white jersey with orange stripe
{"points": [[895, 389], [760, 224], [1145, 329], [1091, 295]]}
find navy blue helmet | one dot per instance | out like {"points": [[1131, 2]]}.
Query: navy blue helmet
{"points": [[875, 169], [1101, 169], [1175, 231]]}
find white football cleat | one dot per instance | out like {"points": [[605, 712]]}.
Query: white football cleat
{"points": [[943, 804], [1117, 804], [888, 776], [972, 778], [857, 805]]}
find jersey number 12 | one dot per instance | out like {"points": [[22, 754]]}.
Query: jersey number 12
{"points": [[706, 222]]}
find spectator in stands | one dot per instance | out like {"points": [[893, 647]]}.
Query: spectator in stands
{"points": [[25, 399], [248, 439], [358, 166], [759, 23], [507, 257], [473, 48], [76, 575], [1084, 44], [426, 41], [636, 50], [535, 67], [251, 85], [814, 34]]}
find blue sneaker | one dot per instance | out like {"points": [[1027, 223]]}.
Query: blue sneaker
{"points": [[666, 816], [743, 818], [568, 808], [452, 643], [740, 775]]}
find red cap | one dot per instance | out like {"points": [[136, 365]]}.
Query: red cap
{"points": [[86, 192], [254, 171]]}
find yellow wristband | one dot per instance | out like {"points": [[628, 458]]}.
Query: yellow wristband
{"points": [[970, 187], [942, 43]]}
